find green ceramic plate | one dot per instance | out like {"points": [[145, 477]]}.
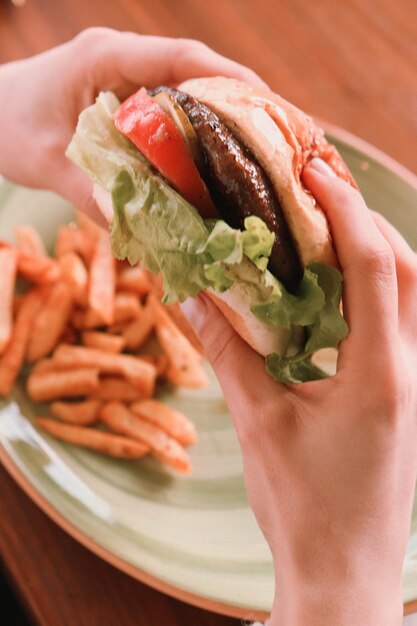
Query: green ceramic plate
{"points": [[196, 537]]}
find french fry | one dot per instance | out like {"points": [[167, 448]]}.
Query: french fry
{"points": [[86, 320], [117, 389], [126, 307], [178, 348], [121, 420], [172, 422], [185, 362], [103, 341], [85, 296], [18, 300], [68, 336], [194, 377], [134, 279], [53, 385], [82, 413], [102, 281], [14, 355], [139, 330], [160, 361], [107, 443], [157, 286], [117, 329], [38, 269], [72, 239], [120, 265], [28, 240], [50, 322], [141, 374], [8, 265], [87, 226], [75, 274], [44, 365], [184, 326]]}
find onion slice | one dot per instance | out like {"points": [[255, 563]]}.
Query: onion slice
{"points": [[180, 119]]}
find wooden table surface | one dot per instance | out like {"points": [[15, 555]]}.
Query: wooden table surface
{"points": [[353, 64]]}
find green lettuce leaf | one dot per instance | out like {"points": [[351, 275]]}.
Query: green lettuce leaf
{"points": [[293, 369], [329, 327], [155, 226], [257, 242], [327, 330], [284, 309]]}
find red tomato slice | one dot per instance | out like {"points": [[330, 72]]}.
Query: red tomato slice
{"points": [[155, 135]]}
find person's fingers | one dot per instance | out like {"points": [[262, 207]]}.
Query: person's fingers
{"points": [[90, 208], [239, 369], [127, 60], [73, 184], [104, 202], [366, 258], [402, 250], [406, 266]]}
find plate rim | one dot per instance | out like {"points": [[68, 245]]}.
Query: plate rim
{"points": [[378, 155], [135, 572]]}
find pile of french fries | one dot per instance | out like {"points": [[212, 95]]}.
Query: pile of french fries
{"points": [[98, 342]]}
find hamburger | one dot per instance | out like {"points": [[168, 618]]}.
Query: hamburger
{"points": [[203, 184]]}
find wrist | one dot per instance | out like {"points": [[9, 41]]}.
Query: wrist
{"points": [[336, 606], [344, 596]]}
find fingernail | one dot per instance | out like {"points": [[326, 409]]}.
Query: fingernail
{"points": [[321, 166], [195, 311]]}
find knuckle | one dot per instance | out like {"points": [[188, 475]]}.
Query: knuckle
{"points": [[394, 391], [347, 197], [90, 34], [377, 259], [352, 195], [93, 35], [187, 48]]}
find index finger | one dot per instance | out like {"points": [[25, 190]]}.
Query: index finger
{"points": [[367, 260], [126, 60]]}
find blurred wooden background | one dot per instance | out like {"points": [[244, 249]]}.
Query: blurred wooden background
{"points": [[352, 63]]}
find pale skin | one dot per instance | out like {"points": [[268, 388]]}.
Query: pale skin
{"points": [[330, 466]]}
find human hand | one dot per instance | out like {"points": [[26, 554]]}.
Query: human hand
{"points": [[330, 466], [41, 98]]}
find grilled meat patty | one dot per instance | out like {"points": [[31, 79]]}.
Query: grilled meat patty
{"points": [[238, 185]]}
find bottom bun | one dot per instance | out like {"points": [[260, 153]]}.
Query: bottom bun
{"points": [[264, 339]]}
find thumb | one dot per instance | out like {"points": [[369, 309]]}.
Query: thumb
{"points": [[239, 369]]}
